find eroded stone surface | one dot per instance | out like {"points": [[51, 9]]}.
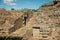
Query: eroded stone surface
{"points": [[41, 25], [47, 22]]}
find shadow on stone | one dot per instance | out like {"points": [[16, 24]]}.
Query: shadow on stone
{"points": [[11, 38]]}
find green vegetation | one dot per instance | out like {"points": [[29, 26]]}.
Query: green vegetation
{"points": [[35, 10], [12, 9]]}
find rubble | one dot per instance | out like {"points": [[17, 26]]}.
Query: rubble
{"points": [[47, 23], [41, 25], [10, 21]]}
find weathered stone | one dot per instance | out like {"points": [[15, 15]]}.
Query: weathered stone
{"points": [[12, 20], [47, 22], [56, 0]]}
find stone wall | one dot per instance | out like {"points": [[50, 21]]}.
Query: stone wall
{"points": [[48, 20], [17, 25], [12, 20]]}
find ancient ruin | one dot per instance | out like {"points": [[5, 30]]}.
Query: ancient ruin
{"points": [[47, 24], [30, 25], [10, 21]]}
